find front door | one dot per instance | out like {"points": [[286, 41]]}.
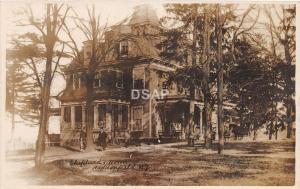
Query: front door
{"points": [[115, 120], [119, 115]]}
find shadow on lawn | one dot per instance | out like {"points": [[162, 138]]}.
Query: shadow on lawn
{"points": [[247, 147]]}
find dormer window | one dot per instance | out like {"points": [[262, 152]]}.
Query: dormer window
{"points": [[88, 54], [67, 114], [139, 78], [124, 48], [119, 82], [97, 80], [76, 81]]}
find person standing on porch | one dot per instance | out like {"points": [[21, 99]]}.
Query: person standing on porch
{"points": [[102, 137]]}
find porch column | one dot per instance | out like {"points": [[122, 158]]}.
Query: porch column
{"points": [[150, 118], [131, 119], [96, 116], [191, 116], [62, 124], [72, 117], [201, 122], [83, 116], [120, 108], [157, 123], [62, 113], [128, 119], [108, 119]]}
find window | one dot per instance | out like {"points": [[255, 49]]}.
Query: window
{"points": [[120, 116], [124, 48], [119, 82], [97, 80], [82, 80], [137, 118], [138, 84], [76, 81], [124, 117], [67, 114], [70, 80], [139, 78], [88, 54], [107, 79], [165, 85], [78, 114], [101, 114], [115, 116]]}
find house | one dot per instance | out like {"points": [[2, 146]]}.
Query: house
{"points": [[128, 90]]}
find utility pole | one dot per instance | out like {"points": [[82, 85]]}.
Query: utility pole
{"points": [[220, 80]]}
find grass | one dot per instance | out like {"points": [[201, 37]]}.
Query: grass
{"points": [[251, 163]]}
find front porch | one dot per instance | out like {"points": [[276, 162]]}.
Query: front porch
{"points": [[113, 116], [175, 116]]}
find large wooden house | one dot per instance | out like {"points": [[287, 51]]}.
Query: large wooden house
{"points": [[132, 65]]}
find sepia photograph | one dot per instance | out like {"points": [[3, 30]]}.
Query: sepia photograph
{"points": [[148, 93]]}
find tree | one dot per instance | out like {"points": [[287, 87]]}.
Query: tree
{"points": [[182, 45], [254, 84], [21, 97], [102, 46], [24, 77], [46, 36], [179, 46], [283, 38], [220, 81]]}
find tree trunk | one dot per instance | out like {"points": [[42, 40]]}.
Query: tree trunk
{"points": [[271, 131], [192, 89], [290, 101], [206, 91], [208, 127], [220, 83], [254, 134], [44, 116], [89, 115], [191, 123], [40, 146], [289, 120]]}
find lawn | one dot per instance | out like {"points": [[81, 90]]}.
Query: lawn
{"points": [[243, 163]]}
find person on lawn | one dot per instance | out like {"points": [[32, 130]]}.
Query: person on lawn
{"points": [[102, 137]]}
